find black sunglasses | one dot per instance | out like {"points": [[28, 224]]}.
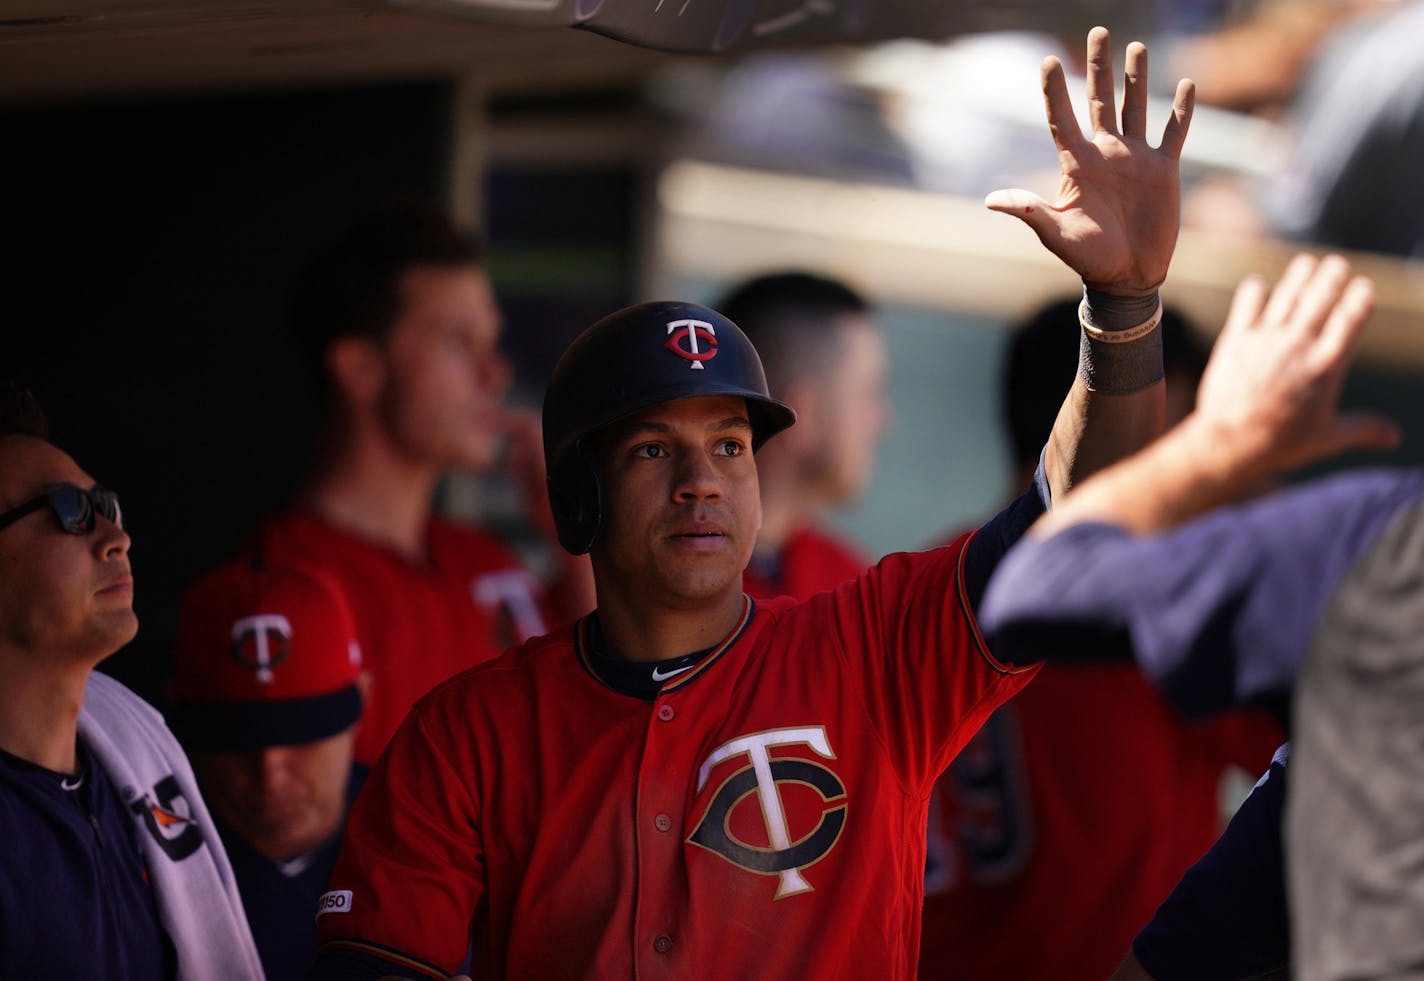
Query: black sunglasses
{"points": [[73, 506]]}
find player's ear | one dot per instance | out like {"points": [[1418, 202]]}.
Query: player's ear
{"points": [[357, 369]]}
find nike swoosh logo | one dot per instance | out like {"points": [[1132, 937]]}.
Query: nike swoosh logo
{"points": [[659, 676]]}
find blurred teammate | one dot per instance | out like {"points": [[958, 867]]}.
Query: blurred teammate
{"points": [[825, 357], [268, 691], [109, 864], [1088, 783], [401, 326], [1225, 604], [689, 782]]}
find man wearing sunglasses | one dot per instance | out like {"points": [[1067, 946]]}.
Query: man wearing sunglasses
{"points": [[109, 864]]}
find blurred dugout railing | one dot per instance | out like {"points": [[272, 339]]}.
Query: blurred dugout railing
{"points": [[942, 252]]}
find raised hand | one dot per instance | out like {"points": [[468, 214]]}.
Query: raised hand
{"points": [[1119, 199], [1272, 388], [1268, 402]]}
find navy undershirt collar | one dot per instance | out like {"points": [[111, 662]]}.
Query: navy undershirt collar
{"points": [[42, 775], [639, 679]]}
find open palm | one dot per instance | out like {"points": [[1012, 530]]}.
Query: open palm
{"points": [[1116, 216]]}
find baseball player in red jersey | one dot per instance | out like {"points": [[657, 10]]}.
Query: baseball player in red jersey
{"points": [[465, 600], [401, 328], [688, 782], [825, 357]]}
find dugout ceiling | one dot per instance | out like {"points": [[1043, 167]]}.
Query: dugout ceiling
{"points": [[60, 49]]}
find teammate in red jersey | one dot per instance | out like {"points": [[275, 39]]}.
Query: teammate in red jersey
{"points": [[825, 357], [423, 619], [1089, 784], [688, 782], [401, 327]]}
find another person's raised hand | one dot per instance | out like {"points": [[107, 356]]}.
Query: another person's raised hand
{"points": [[1271, 391], [1118, 209], [1268, 402]]}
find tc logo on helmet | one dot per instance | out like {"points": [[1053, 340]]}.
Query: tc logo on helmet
{"points": [[692, 332], [261, 642]]}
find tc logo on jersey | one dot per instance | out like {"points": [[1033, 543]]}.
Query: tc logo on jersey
{"points": [[789, 793], [695, 340], [167, 818], [262, 642]]}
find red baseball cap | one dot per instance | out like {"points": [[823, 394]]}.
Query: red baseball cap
{"points": [[266, 656]]}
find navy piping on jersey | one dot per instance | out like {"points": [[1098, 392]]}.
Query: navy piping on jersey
{"points": [[367, 959]]}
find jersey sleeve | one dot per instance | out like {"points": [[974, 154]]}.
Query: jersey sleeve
{"points": [[1227, 918], [1217, 611], [410, 876], [999, 534], [907, 640]]}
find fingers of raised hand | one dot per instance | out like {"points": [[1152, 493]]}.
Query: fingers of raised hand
{"points": [[1134, 92], [1333, 350], [1102, 110], [1281, 361], [1288, 291], [1183, 103], [1058, 106], [1346, 323], [1320, 295], [1246, 305]]}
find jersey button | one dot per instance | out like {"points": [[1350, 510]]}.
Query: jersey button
{"points": [[667, 713], [662, 822], [663, 943]]}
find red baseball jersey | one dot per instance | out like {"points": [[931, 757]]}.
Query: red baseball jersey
{"points": [[419, 623], [811, 562], [763, 817], [1075, 809]]}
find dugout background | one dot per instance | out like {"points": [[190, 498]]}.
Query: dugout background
{"points": [[149, 239]]}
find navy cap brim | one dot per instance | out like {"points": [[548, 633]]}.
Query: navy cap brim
{"points": [[225, 727]]}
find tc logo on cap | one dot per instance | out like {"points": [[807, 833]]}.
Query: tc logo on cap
{"points": [[262, 642], [692, 332]]}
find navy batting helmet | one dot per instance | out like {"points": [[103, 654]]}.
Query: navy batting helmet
{"points": [[641, 356]]}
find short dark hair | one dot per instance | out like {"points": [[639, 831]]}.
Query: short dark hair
{"points": [[1042, 361], [20, 413], [783, 312], [352, 288]]}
